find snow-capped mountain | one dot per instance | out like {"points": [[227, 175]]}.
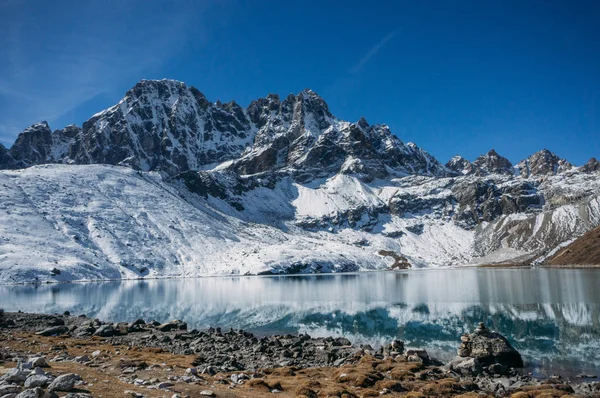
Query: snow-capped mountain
{"points": [[279, 186]]}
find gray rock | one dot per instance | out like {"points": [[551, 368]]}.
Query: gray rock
{"points": [[53, 331], [37, 362], [82, 359], [106, 331], [489, 347], [15, 375], [37, 381], [64, 382], [465, 366], [78, 395], [207, 393], [9, 389], [31, 393]]}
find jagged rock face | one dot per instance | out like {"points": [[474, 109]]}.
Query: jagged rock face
{"points": [[485, 200], [543, 163], [301, 134], [591, 166], [165, 125], [33, 146], [461, 165], [492, 163]]}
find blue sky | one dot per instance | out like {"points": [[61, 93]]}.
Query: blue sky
{"points": [[456, 77]]}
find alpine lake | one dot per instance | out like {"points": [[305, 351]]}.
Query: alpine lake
{"points": [[551, 316]]}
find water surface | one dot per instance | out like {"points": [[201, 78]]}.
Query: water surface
{"points": [[552, 316]]}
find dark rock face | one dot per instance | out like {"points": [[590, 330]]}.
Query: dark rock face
{"points": [[489, 348], [492, 163], [33, 146], [6, 160], [542, 163], [591, 165], [483, 200]]}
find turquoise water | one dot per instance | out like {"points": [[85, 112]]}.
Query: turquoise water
{"points": [[551, 316]]}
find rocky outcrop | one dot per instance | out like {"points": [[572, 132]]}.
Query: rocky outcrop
{"points": [[542, 163], [486, 200], [489, 348]]}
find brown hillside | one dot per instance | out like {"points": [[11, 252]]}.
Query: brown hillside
{"points": [[583, 251]]}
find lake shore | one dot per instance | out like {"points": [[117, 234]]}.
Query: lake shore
{"points": [[166, 360]]}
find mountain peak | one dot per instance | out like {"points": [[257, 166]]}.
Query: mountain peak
{"points": [[542, 163], [461, 165], [591, 166], [493, 163]]}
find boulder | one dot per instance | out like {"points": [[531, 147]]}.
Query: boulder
{"points": [[64, 382], [14, 375], [107, 330], [464, 366], [36, 362], [37, 381], [53, 331], [9, 389], [489, 348], [173, 325], [31, 393]]}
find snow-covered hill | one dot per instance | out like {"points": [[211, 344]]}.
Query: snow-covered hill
{"points": [[166, 183]]}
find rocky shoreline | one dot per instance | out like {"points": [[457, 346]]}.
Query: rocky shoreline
{"points": [[62, 355]]}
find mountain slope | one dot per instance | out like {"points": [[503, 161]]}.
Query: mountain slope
{"points": [[583, 251]]}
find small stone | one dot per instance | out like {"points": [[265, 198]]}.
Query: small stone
{"points": [[134, 394], [192, 371], [96, 353], [165, 384], [207, 393], [82, 359]]}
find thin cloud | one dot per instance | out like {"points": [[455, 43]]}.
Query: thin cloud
{"points": [[48, 80], [371, 53]]}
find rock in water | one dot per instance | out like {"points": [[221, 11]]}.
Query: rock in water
{"points": [[489, 348]]}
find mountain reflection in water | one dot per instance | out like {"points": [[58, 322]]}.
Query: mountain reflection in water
{"points": [[551, 316]]}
